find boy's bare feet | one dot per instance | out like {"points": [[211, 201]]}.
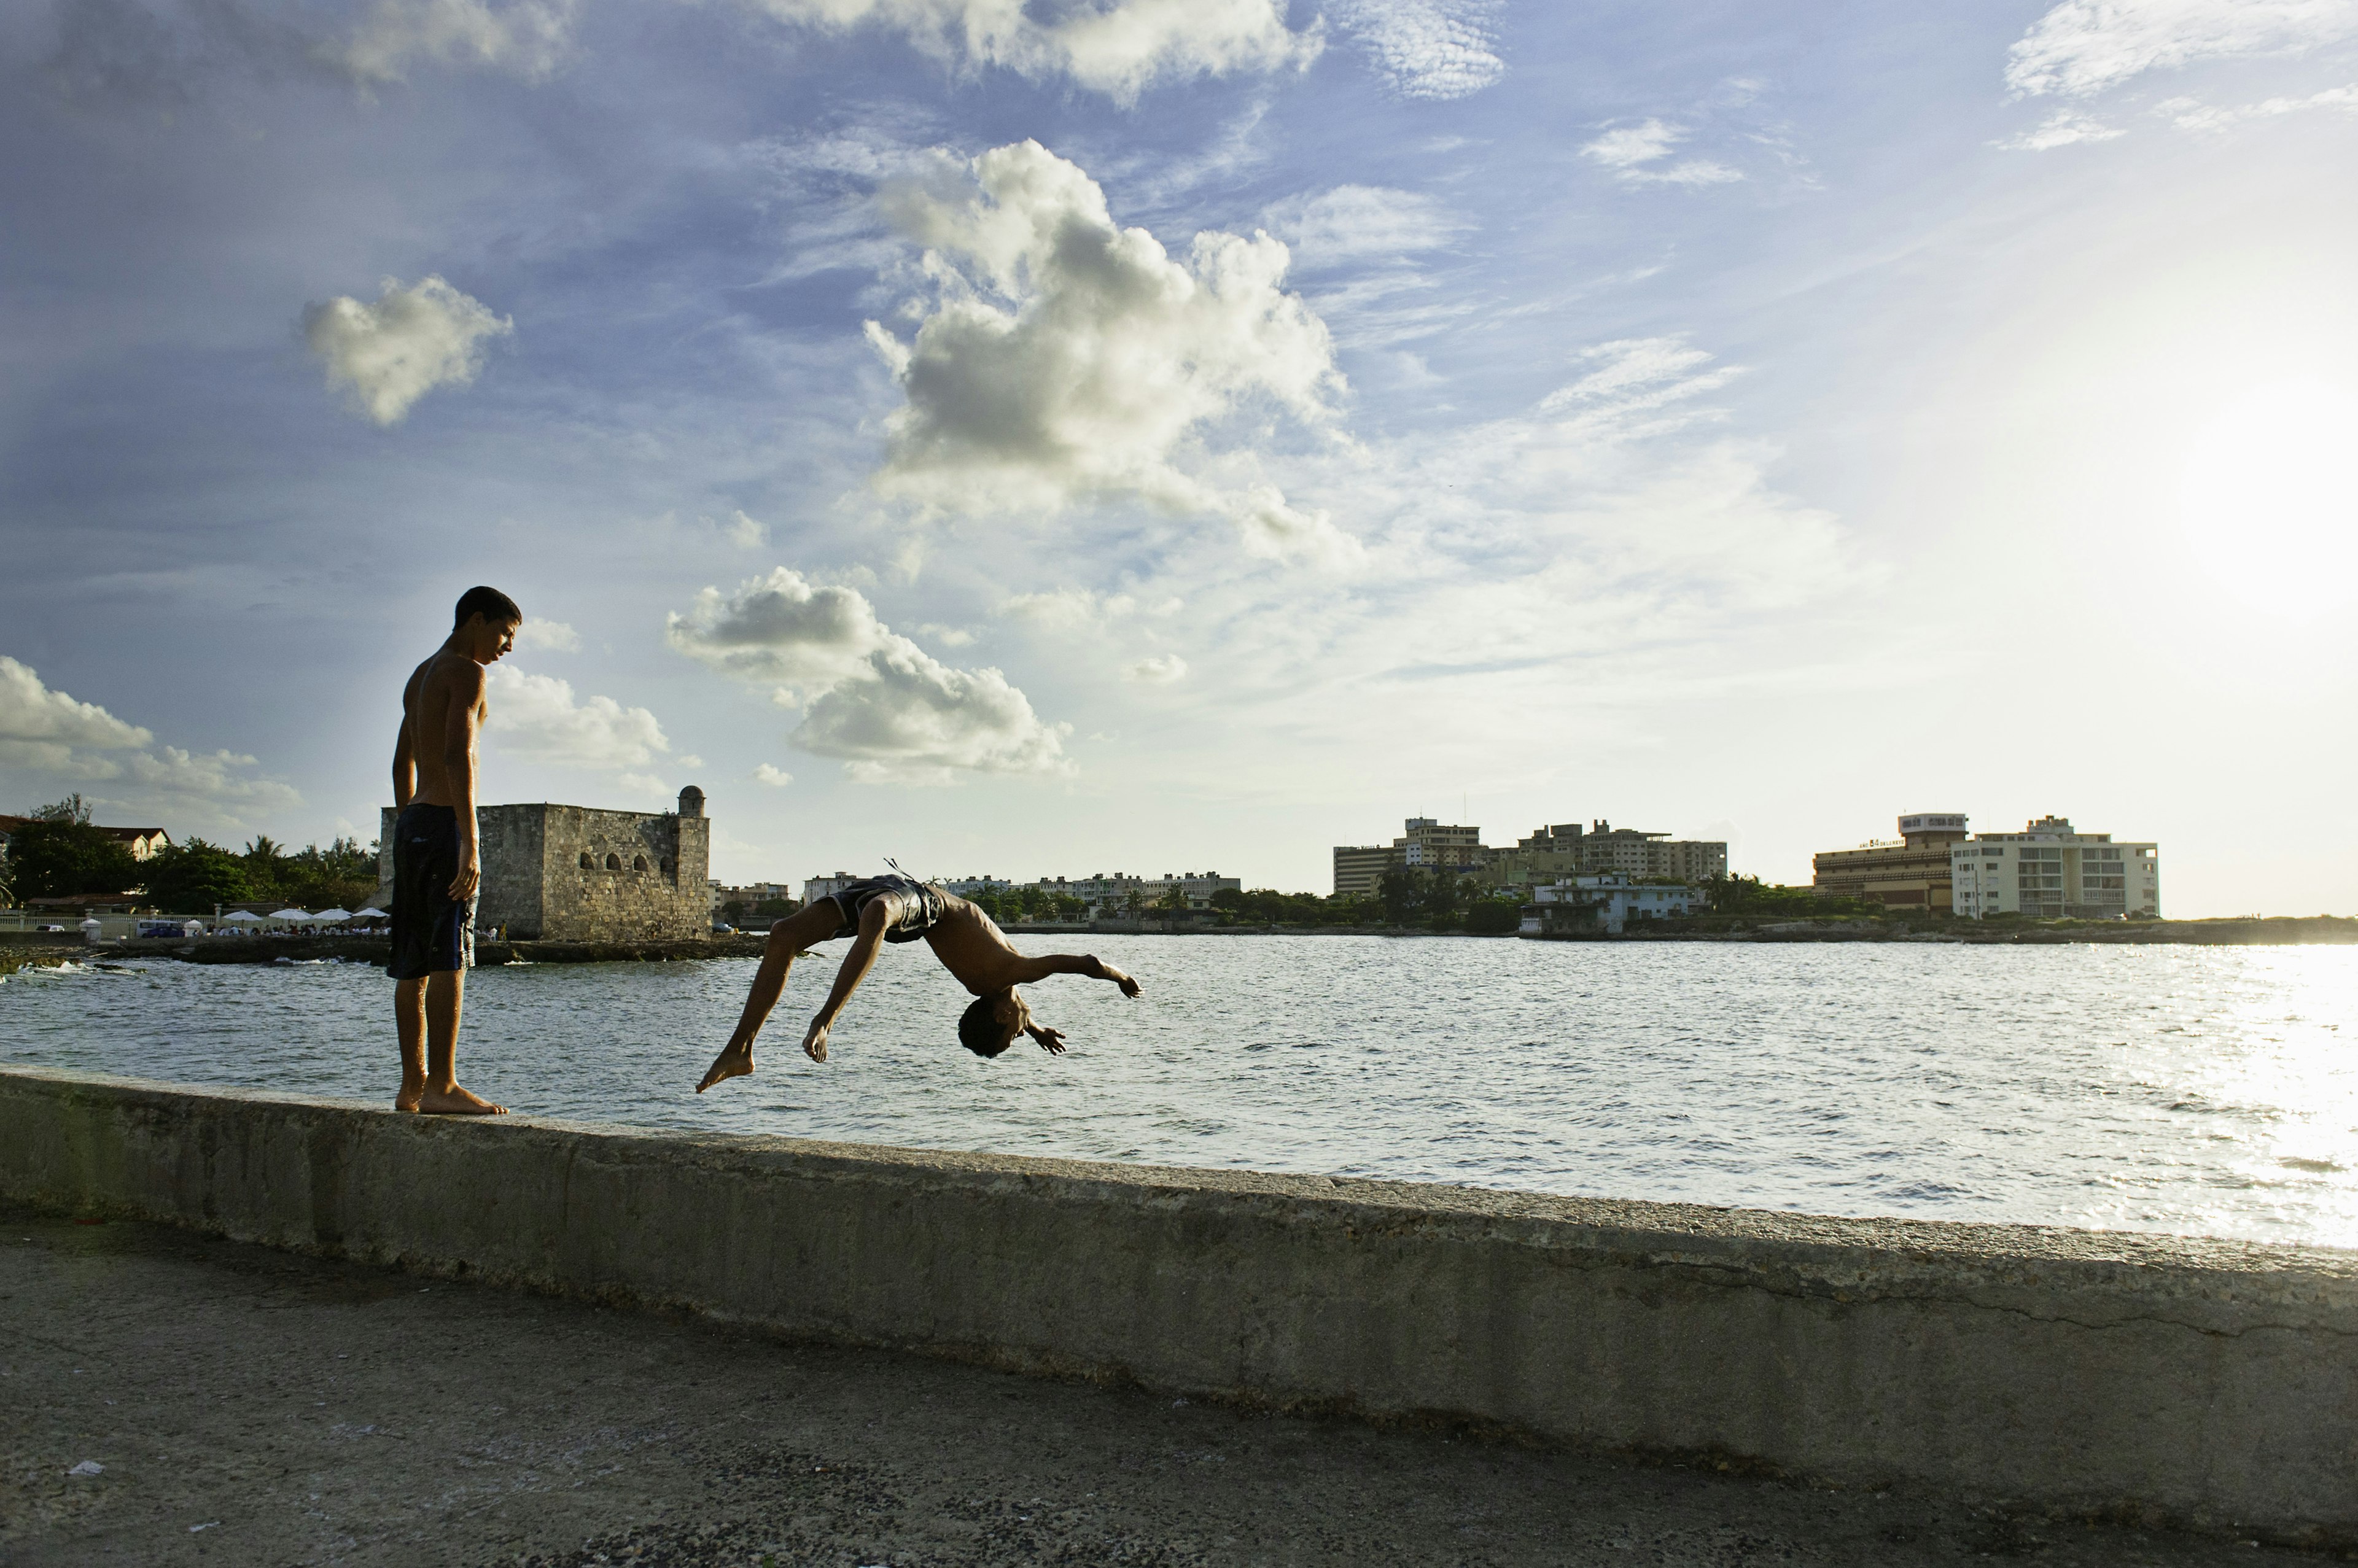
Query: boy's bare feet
{"points": [[406, 1101], [735, 1060], [456, 1101], [814, 1042]]}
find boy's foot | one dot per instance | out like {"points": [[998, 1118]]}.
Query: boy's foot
{"points": [[734, 1062], [406, 1101], [456, 1101]]}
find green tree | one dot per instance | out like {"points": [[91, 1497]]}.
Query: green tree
{"points": [[74, 808], [343, 875], [191, 878], [61, 856]]}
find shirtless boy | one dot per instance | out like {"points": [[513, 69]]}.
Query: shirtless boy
{"points": [[437, 864], [895, 908]]}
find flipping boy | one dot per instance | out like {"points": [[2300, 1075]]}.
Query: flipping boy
{"points": [[894, 908]]}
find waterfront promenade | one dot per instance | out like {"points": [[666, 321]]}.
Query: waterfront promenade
{"points": [[256, 1406]]}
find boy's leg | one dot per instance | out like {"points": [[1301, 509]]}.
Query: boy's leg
{"points": [[409, 1025], [445, 991], [814, 923]]}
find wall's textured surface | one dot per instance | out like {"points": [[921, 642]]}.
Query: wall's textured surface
{"points": [[2211, 1382], [573, 873]]}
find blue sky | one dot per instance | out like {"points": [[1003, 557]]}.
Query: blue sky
{"points": [[1125, 434]]}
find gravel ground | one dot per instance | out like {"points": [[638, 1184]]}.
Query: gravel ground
{"points": [[246, 1406]]}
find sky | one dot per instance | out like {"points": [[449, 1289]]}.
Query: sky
{"points": [[1186, 435]]}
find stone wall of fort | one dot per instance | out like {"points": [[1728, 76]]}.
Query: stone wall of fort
{"points": [[575, 873]]}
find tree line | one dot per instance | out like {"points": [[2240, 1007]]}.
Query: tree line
{"points": [[60, 854]]}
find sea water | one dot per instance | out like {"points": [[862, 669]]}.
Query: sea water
{"points": [[2199, 1090]]}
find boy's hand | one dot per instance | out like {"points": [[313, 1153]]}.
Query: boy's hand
{"points": [[471, 872], [1128, 987], [1052, 1041]]}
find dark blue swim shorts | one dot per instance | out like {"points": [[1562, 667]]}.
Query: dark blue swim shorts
{"points": [[431, 930]]}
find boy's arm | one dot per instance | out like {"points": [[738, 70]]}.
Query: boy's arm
{"points": [[880, 913], [459, 766], [404, 767], [1040, 968]]}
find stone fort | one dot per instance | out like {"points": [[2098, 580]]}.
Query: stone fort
{"points": [[571, 873]]}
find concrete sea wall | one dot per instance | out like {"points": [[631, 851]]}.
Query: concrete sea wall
{"points": [[2202, 1383]]}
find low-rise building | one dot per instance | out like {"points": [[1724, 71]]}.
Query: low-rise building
{"points": [[1111, 894], [1606, 901], [1912, 872], [2051, 871], [143, 842], [817, 888]]}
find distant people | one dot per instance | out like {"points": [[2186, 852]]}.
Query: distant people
{"points": [[437, 864], [896, 908]]}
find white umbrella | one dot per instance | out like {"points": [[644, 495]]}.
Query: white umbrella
{"points": [[291, 915], [332, 916], [242, 917]]}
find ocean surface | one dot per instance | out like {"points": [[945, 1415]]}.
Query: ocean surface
{"points": [[2205, 1091]]}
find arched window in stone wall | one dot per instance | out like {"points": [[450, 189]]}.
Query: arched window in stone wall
{"points": [[589, 861], [638, 863], [613, 862]]}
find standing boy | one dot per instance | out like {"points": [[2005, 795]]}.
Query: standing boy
{"points": [[436, 865]]}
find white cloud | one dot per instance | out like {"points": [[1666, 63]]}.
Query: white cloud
{"points": [[2085, 45], [869, 695], [1632, 152], [1159, 670], [1118, 49], [1351, 222], [217, 777], [745, 532], [2061, 129], [1635, 381], [1069, 609], [44, 731], [41, 728], [772, 775], [2188, 114], [526, 37], [389, 354], [538, 716], [1427, 49], [1062, 359], [555, 636]]}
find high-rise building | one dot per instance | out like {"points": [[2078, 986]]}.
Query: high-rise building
{"points": [[1565, 848], [1424, 844], [2051, 871], [1909, 872]]}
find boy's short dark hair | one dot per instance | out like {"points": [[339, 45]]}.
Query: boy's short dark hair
{"points": [[979, 1030], [488, 603]]}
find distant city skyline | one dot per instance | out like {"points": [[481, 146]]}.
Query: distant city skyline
{"points": [[1065, 444]]}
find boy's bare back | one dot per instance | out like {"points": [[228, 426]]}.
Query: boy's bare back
{"points": [[443, 694]]}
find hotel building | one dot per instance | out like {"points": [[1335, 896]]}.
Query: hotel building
{"points": [[1912, 871], [2051, 870]]}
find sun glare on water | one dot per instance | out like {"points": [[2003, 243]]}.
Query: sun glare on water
{"points": [[2270, 497]]}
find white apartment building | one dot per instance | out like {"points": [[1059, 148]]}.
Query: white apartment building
{"points": [[2053, 871], [1607, 900]]}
